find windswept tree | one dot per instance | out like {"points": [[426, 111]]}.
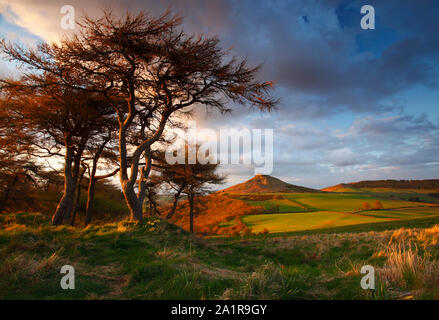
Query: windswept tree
{"points": [[192, 180], [152, 194], [20, 175], [150, 72], [61, 120]]}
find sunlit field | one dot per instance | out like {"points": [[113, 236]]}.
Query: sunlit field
{"points": [[302, 212], [276, 223], [346, 202]]}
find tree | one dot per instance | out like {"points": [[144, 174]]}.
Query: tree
{"points": [[150, 72], [58, 118], [152, 196], [77, 195], [98, 151], [18, 179], [18, 173], [378, 205], [190, 179]]}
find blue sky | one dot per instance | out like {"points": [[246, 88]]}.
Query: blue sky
{"points": [[356, 104]]}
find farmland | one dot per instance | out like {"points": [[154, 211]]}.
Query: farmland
{"points": [[320, 211]]}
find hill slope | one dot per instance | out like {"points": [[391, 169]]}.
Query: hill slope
{"points": [[266, 184], [431, 184], [342, 187]]}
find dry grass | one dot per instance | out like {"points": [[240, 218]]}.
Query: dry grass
{"points": [[411, 261], [261, 284]]}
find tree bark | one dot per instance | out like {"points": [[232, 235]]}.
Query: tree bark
{"points": [[134, 203], [135, 200], [65, 205], [127, 184], [78, 197], [75, 177], [90, 200], [71, 174]]}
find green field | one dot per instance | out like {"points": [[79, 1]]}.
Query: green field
{"points": [[276, 223], [345, 202], [279, 206], [320, 211]]}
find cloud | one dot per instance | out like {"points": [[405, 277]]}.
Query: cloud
{"points": [[319, 59], [343, 115], [344, 157]]}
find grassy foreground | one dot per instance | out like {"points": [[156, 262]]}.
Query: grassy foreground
{"points": [[159, 261]]}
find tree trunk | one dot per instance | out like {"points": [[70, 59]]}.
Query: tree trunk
{"points": [[134, 203], [174, 205], [92, 182], [65, 205], [90, 200], [91, 192], [78, 197], [127, 184]]}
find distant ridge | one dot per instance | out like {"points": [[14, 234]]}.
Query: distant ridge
{"points": [[266, 184], [429, 184], [342, 187]]}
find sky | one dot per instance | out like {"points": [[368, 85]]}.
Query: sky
{"points": [[355, 104]]}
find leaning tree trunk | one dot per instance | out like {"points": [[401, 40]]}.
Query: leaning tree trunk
{"points": [[135, 205], [91, 192], [78, 197], [135, 201], [92, 182], [65, 205], [90, 200], [174, 205]]}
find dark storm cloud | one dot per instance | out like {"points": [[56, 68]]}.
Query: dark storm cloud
{"points": [[318, 56], [326, 69], [404, 125], [317, 64]]}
